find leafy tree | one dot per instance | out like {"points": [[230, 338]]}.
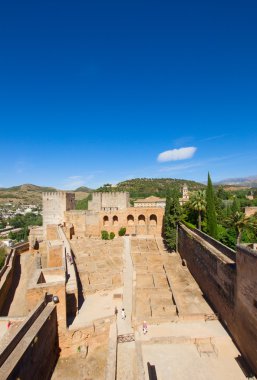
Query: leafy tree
{"points": [[82, 204], [112, 235], [241, 223], [105, 235], [235, 207], [122, 231], [211, 217], [198, 203], [221, 193], [22, 221], [3, 253]]}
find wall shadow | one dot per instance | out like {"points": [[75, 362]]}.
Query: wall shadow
{"points": [[151, 371], [14, 284]]}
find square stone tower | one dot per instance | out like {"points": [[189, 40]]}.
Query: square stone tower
{"points": [[109, 201], [54, 206]]}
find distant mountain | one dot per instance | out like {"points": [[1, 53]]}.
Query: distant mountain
{"points": [[28, 187], [32, 194], [25, 194], [144, 187], [83, 189], [250, 181]]}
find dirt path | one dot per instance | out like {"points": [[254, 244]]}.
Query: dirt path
{"points": [[126, 351]]}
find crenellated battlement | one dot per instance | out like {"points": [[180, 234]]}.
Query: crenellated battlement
{"points": [[109, 200], [56, 194], [54, 206]]}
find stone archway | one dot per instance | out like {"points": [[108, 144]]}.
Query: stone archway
{"points": [[115, 220], [106, 220], [153, 220], [141, 220], [130, 220]]}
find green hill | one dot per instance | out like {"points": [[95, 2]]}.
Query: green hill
{"points": [[25, 194], [144, 187], [83, 189]]}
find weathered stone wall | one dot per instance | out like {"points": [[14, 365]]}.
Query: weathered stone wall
{"points": [[6, 277], [35, 355], [55, 253], [35, 233], [119, 200], [109, 200], [6, 274], [54, 206], [214, 272], [217, 244], [37, 291], [78, 219], [52, 232], [245, 332], [230, 287], [249, 211], [137, 220], [96, 203]]}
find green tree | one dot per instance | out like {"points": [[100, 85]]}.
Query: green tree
{"points": [[198, 203], [211, 217], [241, 223], [3, 254], [112, 235], [105, 235], [82, 204], [172, 216], [122, 231]]}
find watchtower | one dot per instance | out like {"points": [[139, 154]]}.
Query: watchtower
{"points": [[54, 206]]}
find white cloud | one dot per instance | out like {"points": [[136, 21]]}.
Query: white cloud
{"points": [[177, 154]]}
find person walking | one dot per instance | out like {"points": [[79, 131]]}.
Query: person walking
{"points": [[123, 314], [145, 330]]}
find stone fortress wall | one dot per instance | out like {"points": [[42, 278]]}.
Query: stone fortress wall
{"points": [[109, 201], [229, 285], [33, 351], [106, 211], [54, 206]]}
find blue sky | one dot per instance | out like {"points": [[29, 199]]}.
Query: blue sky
{"points": [[102, 91]]}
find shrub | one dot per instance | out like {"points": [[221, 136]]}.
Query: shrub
{"points": [[122, 231], [3, 253], [112, 235], [105, 235]]}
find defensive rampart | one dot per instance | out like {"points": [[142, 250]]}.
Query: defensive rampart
{"points": [[6, 274], [32, 352], [230, 286]]}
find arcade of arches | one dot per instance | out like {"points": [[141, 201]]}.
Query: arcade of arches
{"points": [[131, 221], [137, 221]]}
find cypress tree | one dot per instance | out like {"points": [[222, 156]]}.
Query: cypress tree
{"points": [[171, 218], [211, 217]]}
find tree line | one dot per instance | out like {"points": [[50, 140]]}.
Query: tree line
{"points": [[212, 212]]}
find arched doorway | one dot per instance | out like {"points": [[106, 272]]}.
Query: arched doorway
{"points": [[141, 220], [115, 220], [106, 220], [153, 220], [130, 220]]}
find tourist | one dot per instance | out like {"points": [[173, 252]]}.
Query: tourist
{"points": [[116, 311], [123, 314], [145, 330], [8, 324]]}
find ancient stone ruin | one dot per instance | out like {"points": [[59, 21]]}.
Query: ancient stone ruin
{"points": [[61, 299]]}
